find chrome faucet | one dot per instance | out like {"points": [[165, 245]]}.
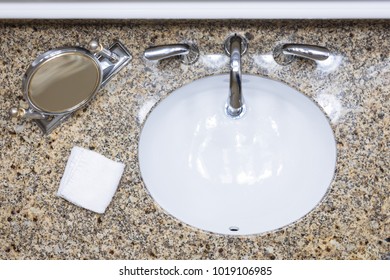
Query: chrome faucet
{"points": [[284, 54], [235, 47], [188, 53]]}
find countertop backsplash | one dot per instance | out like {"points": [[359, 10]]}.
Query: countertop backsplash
{"points": [[352, 89]]}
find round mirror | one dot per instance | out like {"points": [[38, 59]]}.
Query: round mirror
{"points": [[63, 81]]}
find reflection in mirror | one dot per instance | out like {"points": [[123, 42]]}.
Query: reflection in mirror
{"points": [[64, 82]]}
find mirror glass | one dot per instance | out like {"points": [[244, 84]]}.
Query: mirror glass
{"points": [[64, 83]]}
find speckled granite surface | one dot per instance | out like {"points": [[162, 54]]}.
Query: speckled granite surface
{"points": [[353, 89]]}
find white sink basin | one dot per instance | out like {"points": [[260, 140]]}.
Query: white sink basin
{"points": [[243, 176]]}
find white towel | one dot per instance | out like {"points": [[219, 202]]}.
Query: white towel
{"points": [[90, 180]]}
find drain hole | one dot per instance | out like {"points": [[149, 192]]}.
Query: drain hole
{"points": [[233, 228]]}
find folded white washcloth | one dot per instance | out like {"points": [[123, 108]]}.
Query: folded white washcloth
{"points": [[90, 180]]}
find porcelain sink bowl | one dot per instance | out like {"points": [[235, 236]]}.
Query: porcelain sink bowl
{"points": [[243, 176]]}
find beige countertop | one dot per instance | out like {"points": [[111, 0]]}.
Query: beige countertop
{"points": [[353, 90]]}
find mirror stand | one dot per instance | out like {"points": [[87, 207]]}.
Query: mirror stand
{"points": [[108, 62]]}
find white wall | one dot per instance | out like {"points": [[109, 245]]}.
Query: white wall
{"points": [[216, 9]]}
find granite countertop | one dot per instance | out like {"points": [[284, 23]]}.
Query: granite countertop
{"points": [[351, 223]]}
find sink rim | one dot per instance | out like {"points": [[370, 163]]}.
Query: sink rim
{"points": [[193, 227]]}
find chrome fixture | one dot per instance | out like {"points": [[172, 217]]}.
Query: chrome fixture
{"points": [[285, 53], [188, 53], [235, 46], [97, 48], [63, 80]]}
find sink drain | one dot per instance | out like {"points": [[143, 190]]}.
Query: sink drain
{"points": [[233, 228]]}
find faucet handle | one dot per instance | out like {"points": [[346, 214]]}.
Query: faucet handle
{"points": [[188, 53], [284, 54]]}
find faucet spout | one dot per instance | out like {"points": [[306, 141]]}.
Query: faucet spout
{"points": [[235, 46]]}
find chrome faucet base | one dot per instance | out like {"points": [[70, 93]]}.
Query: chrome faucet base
{"points": [[192, 56], [281, 58], [227, 44]]}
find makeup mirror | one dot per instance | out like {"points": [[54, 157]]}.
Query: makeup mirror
{"points": [[63, 80]]}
